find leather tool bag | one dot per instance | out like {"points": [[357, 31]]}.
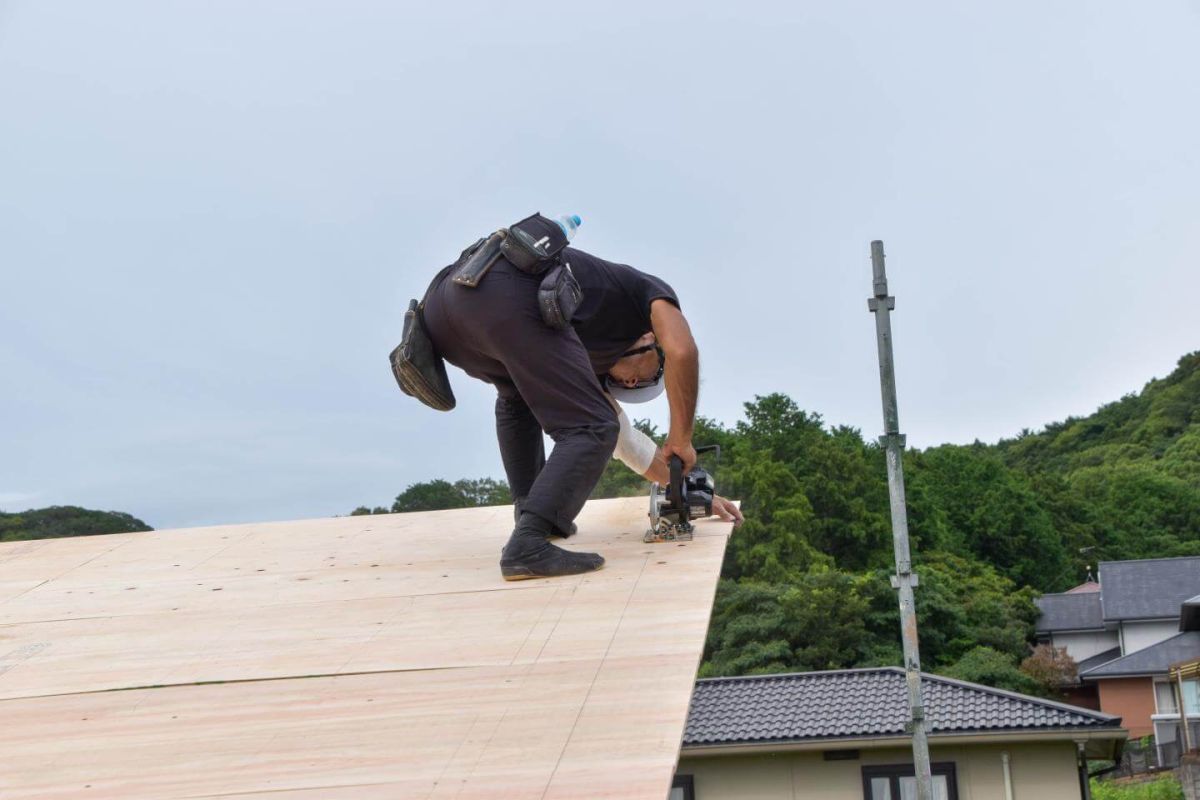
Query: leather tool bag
{"points": [[418, 368], [533, 244], [559, 296], [482, 255]]}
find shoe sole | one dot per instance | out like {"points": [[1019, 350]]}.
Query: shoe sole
{"points": [[525, 574]]}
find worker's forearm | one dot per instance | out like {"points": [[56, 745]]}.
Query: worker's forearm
{"points": [[682, 377], [658, 471]]}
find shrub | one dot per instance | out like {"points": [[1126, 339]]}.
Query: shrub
{"points": [[1164, 787]]}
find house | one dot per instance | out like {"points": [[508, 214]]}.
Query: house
{"points": [[841, 734], [1125, 634]]}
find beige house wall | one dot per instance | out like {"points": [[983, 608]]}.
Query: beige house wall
{"points": [[1044, 771]]}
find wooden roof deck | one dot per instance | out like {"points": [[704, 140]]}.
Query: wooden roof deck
{"points": [[354, 657]]}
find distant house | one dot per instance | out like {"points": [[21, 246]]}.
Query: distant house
{"points": [[841, 734], [1125, 635]]}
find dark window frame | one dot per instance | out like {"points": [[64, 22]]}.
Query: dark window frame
{"points": [[686, 783], [894, 772]]}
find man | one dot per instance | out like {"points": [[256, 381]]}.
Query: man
{"points": [[628, 336]]}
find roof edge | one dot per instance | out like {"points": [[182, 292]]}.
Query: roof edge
{"points": [[1135, 673], [1146, 560], [1087, 712], [890, 740]]}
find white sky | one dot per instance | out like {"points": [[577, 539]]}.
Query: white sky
{"points": [[212, 215]]}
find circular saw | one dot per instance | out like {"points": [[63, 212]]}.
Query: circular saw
{"points": [[685, 498]]}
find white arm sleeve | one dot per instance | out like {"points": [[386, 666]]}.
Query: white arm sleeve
{"points": [[635, 449]]}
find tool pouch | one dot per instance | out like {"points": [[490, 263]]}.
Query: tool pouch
{"points": [[418, 368], [533, 244], [483, 254], [559, 296]]}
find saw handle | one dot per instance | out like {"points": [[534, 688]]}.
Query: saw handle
{"points": [[675, 487]]}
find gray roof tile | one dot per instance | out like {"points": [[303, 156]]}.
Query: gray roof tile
{"points": [[1152, 660], [1079, 611], [1149, 589], [863, 703]]}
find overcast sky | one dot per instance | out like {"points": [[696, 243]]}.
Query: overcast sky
{"points": [[212, 215]]}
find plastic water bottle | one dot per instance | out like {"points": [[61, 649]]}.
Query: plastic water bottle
{"points": [[569, 224]]}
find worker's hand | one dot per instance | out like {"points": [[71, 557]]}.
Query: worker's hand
{"points": [[727, 511], [684, 450]]}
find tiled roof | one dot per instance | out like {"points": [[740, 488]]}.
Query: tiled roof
{"points": [[1086, 586], [1152, 660], [863, 703], [1080, 611], [1149, 589]]}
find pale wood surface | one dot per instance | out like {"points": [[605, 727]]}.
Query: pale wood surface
{"points": [[356, 657]]}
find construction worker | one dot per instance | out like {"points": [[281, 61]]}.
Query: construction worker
{"points": [[626, 340]]}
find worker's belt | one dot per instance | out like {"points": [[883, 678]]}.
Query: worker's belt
{"points": [[533, 245]]}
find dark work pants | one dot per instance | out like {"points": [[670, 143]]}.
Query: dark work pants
{"points": [[544, 380]]}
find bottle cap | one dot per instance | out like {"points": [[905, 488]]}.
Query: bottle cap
{"points": [[575, 218]]}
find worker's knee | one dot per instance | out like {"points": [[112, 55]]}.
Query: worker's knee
{"points": [[608, 433]]}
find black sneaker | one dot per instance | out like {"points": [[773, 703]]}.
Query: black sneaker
{"points": [[526, 557]]}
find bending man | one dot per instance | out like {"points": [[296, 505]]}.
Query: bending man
{"points": [[627, 337]]}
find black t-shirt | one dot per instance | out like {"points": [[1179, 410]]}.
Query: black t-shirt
{"points": [[615, 310]]}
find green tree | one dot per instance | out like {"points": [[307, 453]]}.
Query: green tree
{"points": [[439, 494], [814, 623], [994, 512], [59, 521], [991, 668]]}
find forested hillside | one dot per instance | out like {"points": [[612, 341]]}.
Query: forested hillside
{"points": [[805, 581], [56, 521]]}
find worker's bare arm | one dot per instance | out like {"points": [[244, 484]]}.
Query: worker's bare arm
{"points": [[681, 376], [640, 454]]}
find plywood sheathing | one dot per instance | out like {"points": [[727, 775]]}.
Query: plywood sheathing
{"points": [[377, 656]]}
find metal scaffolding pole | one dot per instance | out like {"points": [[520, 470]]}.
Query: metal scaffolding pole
{"points": [[905, 580]]}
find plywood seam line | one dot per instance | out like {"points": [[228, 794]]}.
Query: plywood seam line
{"points": [[550, 603], [277, 791], [27, 591], [596, 673], [71, 569], [538, 586], [402, 610], [273, 678], [561, 609], [69, 619]]}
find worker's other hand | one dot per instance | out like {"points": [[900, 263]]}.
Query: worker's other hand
{"points": [[727, 511], [684, 450]]}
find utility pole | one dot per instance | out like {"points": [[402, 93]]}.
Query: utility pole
{"points": [[905, 580]]}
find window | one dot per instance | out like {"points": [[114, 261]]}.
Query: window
{"points": [[1164, 693], [1167, 722], [896, 782], [1191, 697], [682, 788]]}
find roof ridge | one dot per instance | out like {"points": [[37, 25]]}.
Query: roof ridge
{"points": [[1041, 701], [929, 676], [1144, 560], [777, 675]]}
